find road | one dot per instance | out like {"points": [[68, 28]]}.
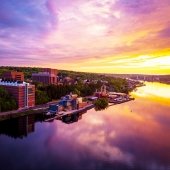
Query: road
{"points": [[35, 108]]}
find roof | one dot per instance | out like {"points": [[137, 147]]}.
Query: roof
{"points": [[13, 83]]}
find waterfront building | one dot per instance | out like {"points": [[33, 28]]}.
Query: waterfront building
{"points": [[102, 93], [23, 93], [67, 103], [13, 75], [47, 76]]}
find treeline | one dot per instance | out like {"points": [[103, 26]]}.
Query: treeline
{"points": [[45, 93], [64, 73], [118, 85], [26, 70], [114, 83], [80, 75], [7, 102]]}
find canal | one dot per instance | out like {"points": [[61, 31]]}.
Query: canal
{"points": [[133, 136]]}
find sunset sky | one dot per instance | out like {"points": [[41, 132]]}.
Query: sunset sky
{"points": [[108, 36]]}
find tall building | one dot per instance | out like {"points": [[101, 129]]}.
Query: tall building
{"points": [[50, 71], [13, 75], [47, 76], [24, 93]]}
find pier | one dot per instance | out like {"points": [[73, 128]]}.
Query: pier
{"points": [[60, 114], [120, 101]]}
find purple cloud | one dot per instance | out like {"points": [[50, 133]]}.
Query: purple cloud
{"points": [[165, 33], [58, 31], [28, 15], [136, 7]]}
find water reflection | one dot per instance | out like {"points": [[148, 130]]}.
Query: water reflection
{"points": [[19, 127], [72, 118], [133, 135], [154, 91]]}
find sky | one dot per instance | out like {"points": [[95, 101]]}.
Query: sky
{"points": [[104, 36]]}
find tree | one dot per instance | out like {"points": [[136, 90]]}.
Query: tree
{"points": [[7, 101], [41, 97], [101, 104], [76, 91]]}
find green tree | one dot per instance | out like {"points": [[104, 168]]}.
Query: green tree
{"points": [[7, 102], [41, 97], [101, 104], [76, 91]]}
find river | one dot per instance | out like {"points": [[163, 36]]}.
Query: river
{"points": [[133, 136]]}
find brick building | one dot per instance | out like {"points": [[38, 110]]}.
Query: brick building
{"points": [[13, 75], [23, 92], [47, 76]]}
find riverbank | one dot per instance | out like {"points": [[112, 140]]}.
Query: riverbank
{"points": [[115, 102], [39, 109], [11, 115], [71, 112]]}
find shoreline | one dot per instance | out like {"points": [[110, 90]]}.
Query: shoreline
{"points": [[6, 116], [42, 110], [38, 109], [71, 112]]}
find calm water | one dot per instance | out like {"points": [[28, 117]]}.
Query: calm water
{"points": [[133, 135]]}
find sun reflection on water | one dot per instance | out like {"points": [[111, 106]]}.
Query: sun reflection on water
{"points": [[154, 91], [133, 135]]}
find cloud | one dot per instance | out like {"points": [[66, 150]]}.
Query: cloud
{"points": [[165, 33], [79, 30], [135, 7], [25, 15]]}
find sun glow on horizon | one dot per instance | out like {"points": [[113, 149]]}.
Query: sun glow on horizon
{"points": [[156, 91], [89, 36]]}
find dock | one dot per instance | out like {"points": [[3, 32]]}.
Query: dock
{"points": [[60, 114], [114, 102]]}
